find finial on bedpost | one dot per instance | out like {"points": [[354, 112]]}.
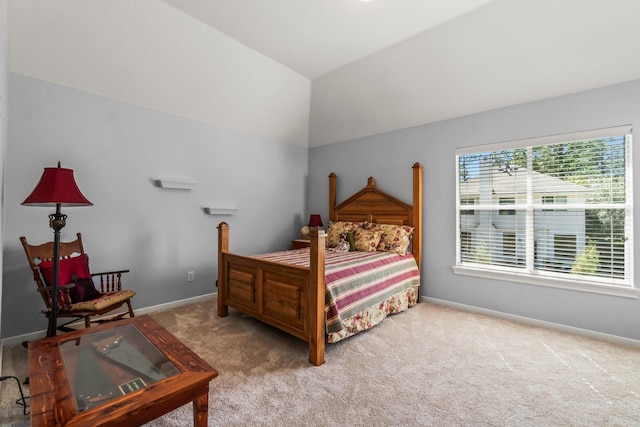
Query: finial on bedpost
{"points": [[223, 237], [371, 182]]}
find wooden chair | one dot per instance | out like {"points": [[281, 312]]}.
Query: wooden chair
{"points": [[111, 299]]}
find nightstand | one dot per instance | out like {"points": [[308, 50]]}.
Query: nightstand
{"points": [[300, 243]]}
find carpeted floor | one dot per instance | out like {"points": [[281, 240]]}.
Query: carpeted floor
{"points": [[429, 366]]}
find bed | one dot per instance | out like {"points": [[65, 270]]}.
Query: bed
{"points": [[295, 290]]}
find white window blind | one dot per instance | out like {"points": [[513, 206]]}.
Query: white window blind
{"points": [[555, 208]]}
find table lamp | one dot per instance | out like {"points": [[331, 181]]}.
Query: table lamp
{"points": [[315, 220]]}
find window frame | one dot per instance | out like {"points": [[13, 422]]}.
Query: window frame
{"points": [[616, 287]]}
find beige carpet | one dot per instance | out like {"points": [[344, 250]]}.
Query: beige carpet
{"points": [[429, 366]]}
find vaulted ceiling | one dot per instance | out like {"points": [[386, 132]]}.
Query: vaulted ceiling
{"points": [[382, 65], [314, 37], [316, 72]]}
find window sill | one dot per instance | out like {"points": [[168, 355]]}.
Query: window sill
{"points": [[553, 282]]}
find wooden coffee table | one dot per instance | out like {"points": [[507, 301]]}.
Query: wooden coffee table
{"points": [[124, 373]]}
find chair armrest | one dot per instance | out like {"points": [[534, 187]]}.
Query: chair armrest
{"points": [[110, 281], [109, 272]]}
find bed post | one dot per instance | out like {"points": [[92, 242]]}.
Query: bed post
{"points": [[315, 312], [417, 214], [332, 197], [223, 247]]}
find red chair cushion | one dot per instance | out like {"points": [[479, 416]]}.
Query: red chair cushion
{"points": [[72, 270], [77, 266]]}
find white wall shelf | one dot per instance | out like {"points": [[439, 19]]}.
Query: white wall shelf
{"points": [[175, 184], [219, 211]]}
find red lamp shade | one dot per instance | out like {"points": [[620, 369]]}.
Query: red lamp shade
{"points": [[57, 186], [315, 220]]}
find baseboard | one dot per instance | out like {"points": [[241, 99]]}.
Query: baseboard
{"points": [[138, 311], [535, 322], [175, 304], [22, 338]]}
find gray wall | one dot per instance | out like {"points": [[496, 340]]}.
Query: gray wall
{"points": [[3, 122], [117, 150], [388, 157]]}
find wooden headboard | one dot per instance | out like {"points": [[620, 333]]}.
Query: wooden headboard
{"points": [[373, 205]]}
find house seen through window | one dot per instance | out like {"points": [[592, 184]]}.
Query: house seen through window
{"points": [[555, 209]]}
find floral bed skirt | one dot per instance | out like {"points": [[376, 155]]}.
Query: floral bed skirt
{"points": [[375, 314]]}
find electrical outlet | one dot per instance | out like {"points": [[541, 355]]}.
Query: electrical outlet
{"points": [[191, 276]]}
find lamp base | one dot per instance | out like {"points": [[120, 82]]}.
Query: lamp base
{"points": [[57, 221]]}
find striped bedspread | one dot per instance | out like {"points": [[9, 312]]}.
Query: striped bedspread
{"points": [[356, 281]]}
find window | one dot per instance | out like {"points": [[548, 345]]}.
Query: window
{"points": [[564, 252], [509, 244], [569, 218], [465, 245], [467, 202], [554, 200], [564, 246], [507, 201]]}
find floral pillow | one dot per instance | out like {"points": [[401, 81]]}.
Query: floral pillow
{"points": [[337, 229], [366, 240], [395, 238]]}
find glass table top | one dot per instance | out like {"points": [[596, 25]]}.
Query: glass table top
{"points": [[105, 365]]}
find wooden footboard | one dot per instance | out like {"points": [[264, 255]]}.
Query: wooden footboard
{"points": [[285, 296]]}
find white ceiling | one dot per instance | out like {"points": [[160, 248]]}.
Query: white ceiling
{"points": [[314, 37], [316, 72], [506, 53], [382, 65]]}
